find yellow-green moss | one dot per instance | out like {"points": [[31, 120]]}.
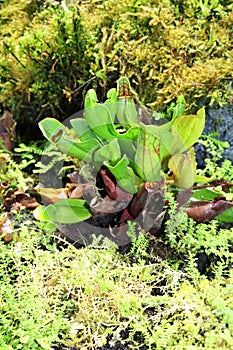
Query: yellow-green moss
{"points": [[165, 51], [165, 47]]}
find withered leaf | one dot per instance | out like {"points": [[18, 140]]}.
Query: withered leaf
{"points": [[79, 190], [204, 211], [7, 129], [17, 199], [51, 195], [72, 190], [106, 205]]}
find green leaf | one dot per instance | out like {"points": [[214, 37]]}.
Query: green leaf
{"points": [[164, 139], [98, 117], [55, 132], [66, 211], [121, 133], [128, 148], [52, 129], [110, 151], [183, 167], [205, 194], [187, 129], [82, 150], [179, 108], [111, 103], [25, 339], [226, 216], [90, 99], [124, 175], [82, 129], [126, 111], [147, 162]]}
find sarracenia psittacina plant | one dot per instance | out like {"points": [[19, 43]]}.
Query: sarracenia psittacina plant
{"points": [[111, 135]]}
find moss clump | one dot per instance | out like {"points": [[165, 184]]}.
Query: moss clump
{"points": [[40, 66], [166, 48]]}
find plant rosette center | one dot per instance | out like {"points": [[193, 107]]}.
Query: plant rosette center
{"points": [[125, 159]]}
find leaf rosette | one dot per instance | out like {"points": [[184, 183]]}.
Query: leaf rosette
{"points": [[112, 136]]}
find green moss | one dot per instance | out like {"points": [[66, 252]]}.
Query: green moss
{"points": [[78, 298], [41, 66], [166, 49], [166, 52]]}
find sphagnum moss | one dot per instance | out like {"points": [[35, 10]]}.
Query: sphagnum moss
{"points": [[166, 49]]}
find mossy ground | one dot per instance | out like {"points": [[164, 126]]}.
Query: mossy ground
{"points": [[156, 295], [58, 50], [170, 292]]}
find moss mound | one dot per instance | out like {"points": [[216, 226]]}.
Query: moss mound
{"points": [[51, 52]]}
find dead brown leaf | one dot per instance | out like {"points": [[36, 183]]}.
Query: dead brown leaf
{"points": [[7, 129], [15, 200], [204, 211]]}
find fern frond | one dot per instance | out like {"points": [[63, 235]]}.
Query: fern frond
{"points": [[34, 148]]}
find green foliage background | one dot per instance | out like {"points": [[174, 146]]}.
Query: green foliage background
{"points": [[49, 49], [57, 296]]}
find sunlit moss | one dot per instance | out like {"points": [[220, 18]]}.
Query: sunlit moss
{"points": [[166, 48]]}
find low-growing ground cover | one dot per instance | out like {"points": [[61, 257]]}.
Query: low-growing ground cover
{"points": [[160, 294]]}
